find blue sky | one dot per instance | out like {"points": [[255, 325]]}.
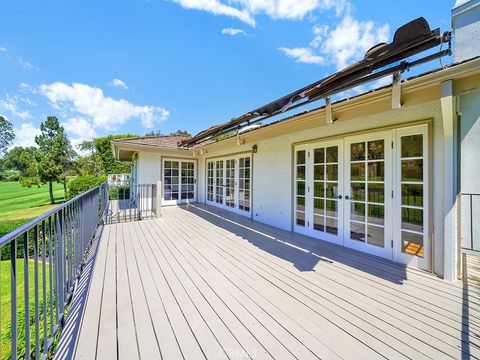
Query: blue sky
{"points": [[107, 67]]}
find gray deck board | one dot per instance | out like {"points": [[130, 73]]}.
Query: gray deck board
{"points": [[204, 283]]}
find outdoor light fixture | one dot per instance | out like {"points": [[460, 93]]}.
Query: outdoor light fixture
{"points": [[254, 149]]}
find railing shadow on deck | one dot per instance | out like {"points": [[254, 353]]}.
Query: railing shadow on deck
{"points": [[304, 252]]}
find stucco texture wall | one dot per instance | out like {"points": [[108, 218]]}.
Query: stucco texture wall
{"points": [[469, 105], [272, 166]]}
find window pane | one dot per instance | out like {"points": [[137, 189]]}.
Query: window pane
{"points": [[301, 157], [412, 219], [412, 146], [357, 191], [357, 171], [331, 206], [412, 170], [319, 156], [318, 206], [300, 203], [412, 194], [319, 223], [412, 243], [332, 154], [376, 150], [318, 172], [376, 214], [357, 231], [376, 171], [301, 172], [318, 189], [376, 236], [300, 218], [376, 193], [357, 151], [357, 211], [300, 188], [331, 190], [332, 172], [331, 226]]}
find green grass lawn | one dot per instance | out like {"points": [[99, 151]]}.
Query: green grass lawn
{"points": [[18, 202], [5, 301]]}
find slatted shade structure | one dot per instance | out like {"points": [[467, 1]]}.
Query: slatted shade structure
{"points": [[410, 39]]}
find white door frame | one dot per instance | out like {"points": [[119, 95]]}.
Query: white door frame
{"points": [[179, 200], [236, 193], [386, 250], [392, 248], [398, 254]]}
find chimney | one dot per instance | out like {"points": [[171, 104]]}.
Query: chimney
{"points": [[466, 29]]}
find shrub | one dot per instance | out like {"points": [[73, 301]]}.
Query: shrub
{"points": [[7, 227], [80, 184], [119, 192]]}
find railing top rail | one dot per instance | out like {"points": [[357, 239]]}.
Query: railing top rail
{"points": [[24, 228], [470, 194]]}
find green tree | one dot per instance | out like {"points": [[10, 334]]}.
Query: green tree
{"points": [[6, 134], [176, 133], [89, 164], [54, 153], [104, 151], [24, 161]]}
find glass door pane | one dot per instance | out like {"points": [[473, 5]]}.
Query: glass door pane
{"points": [[412, 192], [300, 187], [244, 184], [219, 185], [230, 183], [326, 189], [367, 192], [187, 180], [210, 180], [171, 179]]}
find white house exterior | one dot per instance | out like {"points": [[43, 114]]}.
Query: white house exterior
{"points": [[386, 181]]}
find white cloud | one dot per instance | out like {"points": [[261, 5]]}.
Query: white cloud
{"points": [[3, 49], [246, 10], [216, 7], [119, 83], [26, 65], [80, 127], [233, 32], [349, 40], [10, 104], [27, 88], [25, 135], [81, 100], [342, 45], [303, 55]]}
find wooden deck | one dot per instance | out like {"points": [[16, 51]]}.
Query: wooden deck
{"points": [[203, 283]]}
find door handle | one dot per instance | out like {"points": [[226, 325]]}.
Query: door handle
{"points": [[347, 197], [339, 197]]}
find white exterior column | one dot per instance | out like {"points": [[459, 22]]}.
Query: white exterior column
{"points": [[159, 199], [450, 189]]}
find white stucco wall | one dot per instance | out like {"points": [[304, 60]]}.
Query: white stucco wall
{"points": [[149, 169], [469, 105], [272, 167]]}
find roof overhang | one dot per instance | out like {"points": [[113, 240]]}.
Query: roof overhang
{"points": [[124, 151]]}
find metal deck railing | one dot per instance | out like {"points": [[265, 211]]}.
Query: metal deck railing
{"points": [[132, 203], [45, 258]]}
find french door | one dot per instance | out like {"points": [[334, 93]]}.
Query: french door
{"points": [[229, 183], [319, 183], [368, 197], [368, 192], [179, 181]]}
